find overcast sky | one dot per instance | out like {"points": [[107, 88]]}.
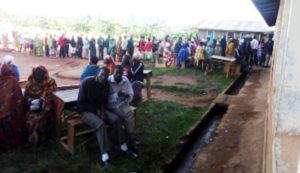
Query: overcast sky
{"points": [[173, 12]]}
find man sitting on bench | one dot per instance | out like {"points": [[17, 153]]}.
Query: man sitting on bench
{"points": [[121, 94], [92, 99]]}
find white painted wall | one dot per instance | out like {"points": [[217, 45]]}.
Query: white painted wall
{"points": [[287, 71], [284, 92]]}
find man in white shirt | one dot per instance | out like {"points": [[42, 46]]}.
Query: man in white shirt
{"points": [[124, 45], [121, 94], [254, 47]]}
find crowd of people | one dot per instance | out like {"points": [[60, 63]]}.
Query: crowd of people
{"points": [[106, 93], [106, 96], [191, 51]]}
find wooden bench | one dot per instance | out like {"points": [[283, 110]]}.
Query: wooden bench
{"points": [[68, 142]]}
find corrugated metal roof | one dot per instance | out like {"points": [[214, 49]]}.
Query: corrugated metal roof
{"points": [[240, 26], [268, 9]]}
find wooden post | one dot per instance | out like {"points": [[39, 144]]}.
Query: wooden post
{"points": [[71, 135], [148, 81]]}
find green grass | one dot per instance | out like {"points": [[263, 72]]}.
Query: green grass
{"points": [[159, 126], [174, 88]]}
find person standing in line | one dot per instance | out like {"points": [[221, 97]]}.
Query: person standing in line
{"points": [[66, 46], [73, 47], [254, 48], [86, 46], [50, 45], [107, 44], [155, 47], [142, 46], [183, 55], [148, 49], [101, 46], [261, 52], [130, 46], [269, 49], [46, 45], [223, 45], [124, 45], [79, 46], [112, 48], [54, 44], [93, 47], [119, 49], [61, 42]]}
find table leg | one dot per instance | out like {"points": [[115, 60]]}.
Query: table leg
{"points": [[59, 106], [148, 85]]}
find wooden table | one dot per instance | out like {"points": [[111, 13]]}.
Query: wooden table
{"points": [[229, 63], [66, 98], [63, 99]]}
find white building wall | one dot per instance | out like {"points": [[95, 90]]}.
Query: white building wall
{"points": [[284, 92]]}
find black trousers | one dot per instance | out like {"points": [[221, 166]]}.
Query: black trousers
{"points": [[79, 52], [101, 55], [62, 52]]}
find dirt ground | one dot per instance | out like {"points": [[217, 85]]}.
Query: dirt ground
{"points": [[170, 79], [188, 99], [238, 143], [67, 72], [26, 62]]}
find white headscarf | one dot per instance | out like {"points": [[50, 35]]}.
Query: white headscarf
{"points": [[8, 59], [137, 55]]}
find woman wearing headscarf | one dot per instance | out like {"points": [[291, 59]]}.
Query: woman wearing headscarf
{"points": [[9, 60], [136, 76], [38, 94], [12, 116], [183, 55], [137, 68], [167, 54], [110, 64]]}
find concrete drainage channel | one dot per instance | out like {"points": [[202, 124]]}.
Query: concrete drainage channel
{"points": [[203, 131]]}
